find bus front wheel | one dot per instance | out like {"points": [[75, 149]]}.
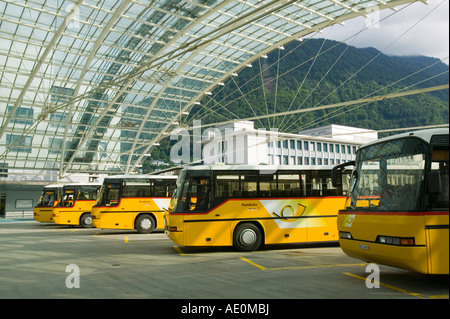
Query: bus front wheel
{"points": [[145, 224], [247, 237]]}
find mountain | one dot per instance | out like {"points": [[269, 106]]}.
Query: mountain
{"points": [[321, 72]]}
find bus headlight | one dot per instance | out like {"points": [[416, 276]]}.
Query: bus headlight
{"points": [[345, 235], [398, 241]]}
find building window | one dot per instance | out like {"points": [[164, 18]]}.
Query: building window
{"points": [[319, 147], [22, 115], [306, 160], [292, 144], [299, 145], [305, 145], [313, 146], [55, 145], [285, 160], [343, 149], [19, 143], [299, 160], [337, 148], [325, 147], [331, 148]]}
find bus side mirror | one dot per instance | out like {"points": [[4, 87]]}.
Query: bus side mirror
{"points": [[336, 173], [434, 182], [336, 178]]}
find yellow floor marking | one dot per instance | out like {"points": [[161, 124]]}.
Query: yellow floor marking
{"points": [[178, 249], [317, 266], [253, 263], [439, 297], [390, 287], [72, 231], [297, 267], [126, 239]]}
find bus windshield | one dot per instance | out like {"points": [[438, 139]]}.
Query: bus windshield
{"points": [[48, 198], [192, 193], [109, 194], [389, 176]]}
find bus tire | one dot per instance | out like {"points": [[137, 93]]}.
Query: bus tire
{"points": [[145, 224], [247, 237], [86, 220]]}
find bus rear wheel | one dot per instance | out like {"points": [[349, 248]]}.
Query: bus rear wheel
{"points": [[145, 224], [247, 237]]}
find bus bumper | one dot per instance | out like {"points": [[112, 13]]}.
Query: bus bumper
{"points": [[405, 257], [43, 216], [175, 235], [67, 218]]}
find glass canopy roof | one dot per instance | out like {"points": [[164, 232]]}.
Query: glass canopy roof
{"points": [[92, 85]]}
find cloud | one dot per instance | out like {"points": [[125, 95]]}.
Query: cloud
{"points": [[415, 29]]}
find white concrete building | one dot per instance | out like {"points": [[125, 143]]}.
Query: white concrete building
{"points": [[328, 145]]}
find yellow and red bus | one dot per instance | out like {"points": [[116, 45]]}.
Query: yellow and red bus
{"points": [[250, 206], [50, 196], [397, 211], [75, 205], [133, 202]]}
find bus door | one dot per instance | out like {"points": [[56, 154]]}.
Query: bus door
{"points": [[110, 194], [202, 224], [436, 223]]}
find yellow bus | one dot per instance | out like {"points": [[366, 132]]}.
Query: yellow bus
{"points": [[133, 202], [397, 211], [75, 205], [50, 196], [250, 206]]}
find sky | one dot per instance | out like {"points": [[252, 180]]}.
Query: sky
{"points": [[415, 29]]}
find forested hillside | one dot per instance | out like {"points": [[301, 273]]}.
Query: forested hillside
{"points": [[320, 72], [339, 73]]}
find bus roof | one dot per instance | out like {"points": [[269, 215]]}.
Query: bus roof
{"points": [[243, 167], [141, 176], [83, 184], [424, 135], [53, 185]]}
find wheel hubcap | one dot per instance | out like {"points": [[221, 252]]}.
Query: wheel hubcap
{"points": [[88, 221], [146, 223], [248, 237]]}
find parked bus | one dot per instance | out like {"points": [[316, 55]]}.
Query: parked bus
{"points": [[50, 196], [75, 205], [397, 211], [249, 206], [133, 202]]}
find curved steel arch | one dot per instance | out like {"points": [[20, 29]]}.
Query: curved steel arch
{"points": [[90, 84]]}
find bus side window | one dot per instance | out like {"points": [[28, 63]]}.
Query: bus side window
{"points": [[160, 189], [202, 194]]}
